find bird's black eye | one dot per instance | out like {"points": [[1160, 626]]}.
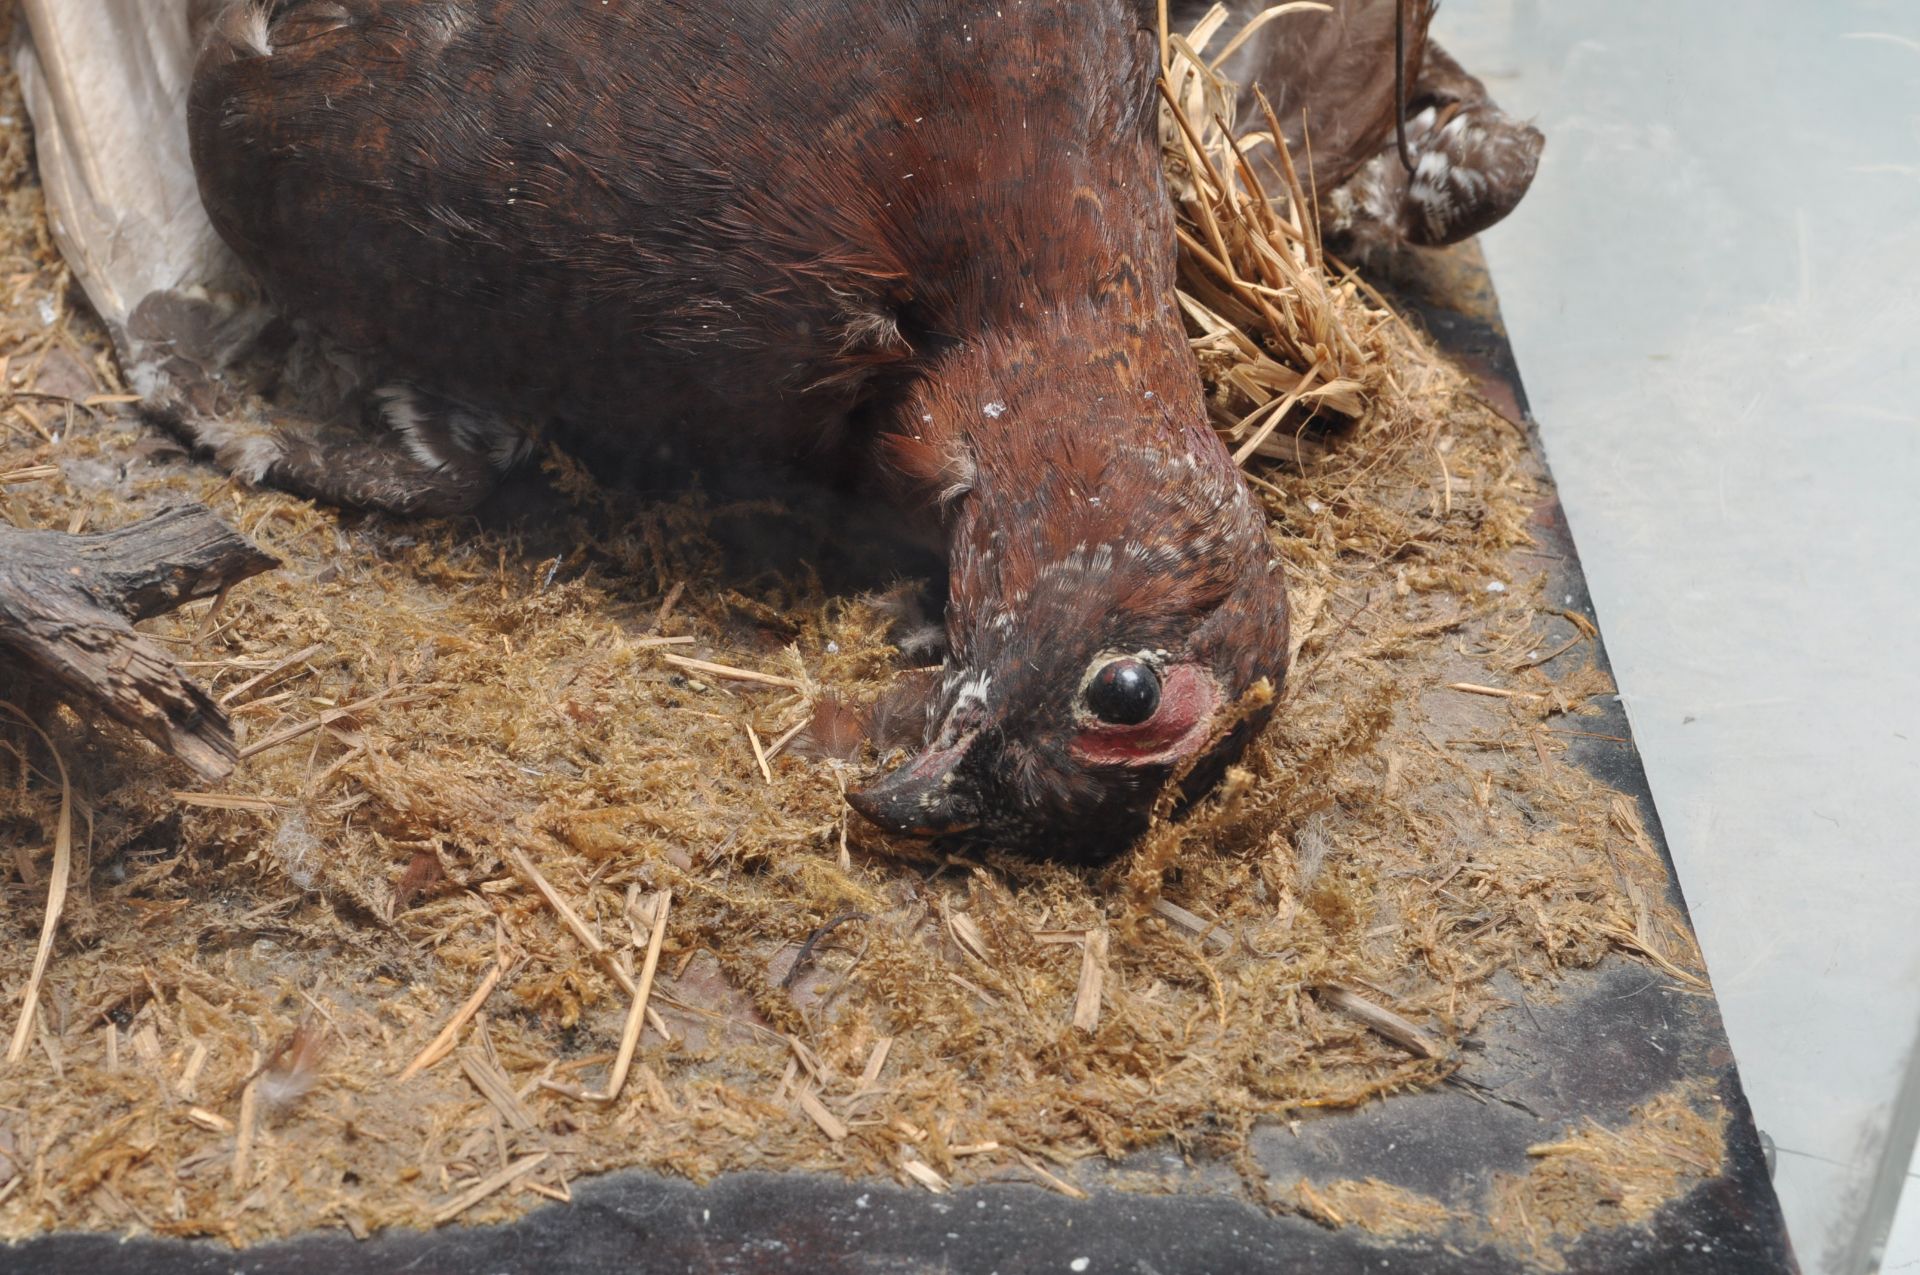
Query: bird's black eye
{"points": [[1124, 693]]}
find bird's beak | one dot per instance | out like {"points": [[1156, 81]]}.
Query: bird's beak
{"points": [[924, 797]]}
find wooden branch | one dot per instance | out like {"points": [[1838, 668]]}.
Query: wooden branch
{"points": [[66, 603]]}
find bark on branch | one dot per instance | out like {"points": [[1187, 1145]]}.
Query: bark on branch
{"points": [[66, 607]]}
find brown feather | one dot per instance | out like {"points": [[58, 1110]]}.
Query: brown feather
{"points": [[928, 240], [836, 730]]}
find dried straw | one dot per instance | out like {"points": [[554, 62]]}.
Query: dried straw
{"points": [[555, 763], [637, 1015], [56, 892]]}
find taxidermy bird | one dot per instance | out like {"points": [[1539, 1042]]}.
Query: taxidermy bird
{"points": [[1405, 146], [921, 246]]}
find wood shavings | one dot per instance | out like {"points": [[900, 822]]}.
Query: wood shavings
{"points": [[1595, 1177], [465, 710], [211, 1121], [830, 1124], [1378, 1018], [1051, 1180], [185, 1086], [869, 1082], [1373, 1205], [442, 1044], [759, 755], [637, 1015], [496, 1089], [1635, 942], [56, 894], [1471, 688], [272, 671], [326, 718], [730, 673], [1195, 925], [1093, 965], [233, 801], [924, 1174], [967, 935], [245, 1128], [487, 1186]]}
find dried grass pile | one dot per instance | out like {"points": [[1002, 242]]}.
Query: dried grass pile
{"points": [[525, 876], [1597, 1177]]}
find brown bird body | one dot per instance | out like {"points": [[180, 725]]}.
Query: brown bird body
{"points": [[922, 242], [1348, 86], [926, 240], [715, 226]]}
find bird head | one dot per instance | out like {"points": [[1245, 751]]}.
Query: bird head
{"points": [[1113, 596]]}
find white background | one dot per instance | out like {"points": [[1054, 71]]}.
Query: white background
{"points": [[1714, 295]]}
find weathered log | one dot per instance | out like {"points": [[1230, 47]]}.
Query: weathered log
{"points": [[66, 607]]}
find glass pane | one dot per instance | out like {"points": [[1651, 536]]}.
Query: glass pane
{"points": [[1711, 292]]}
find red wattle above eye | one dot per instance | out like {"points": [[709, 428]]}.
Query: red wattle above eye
{"points": [[1188, 698]]}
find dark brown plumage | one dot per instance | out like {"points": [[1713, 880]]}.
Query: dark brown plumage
{"points": [[1338, 91], [923, 242]]}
